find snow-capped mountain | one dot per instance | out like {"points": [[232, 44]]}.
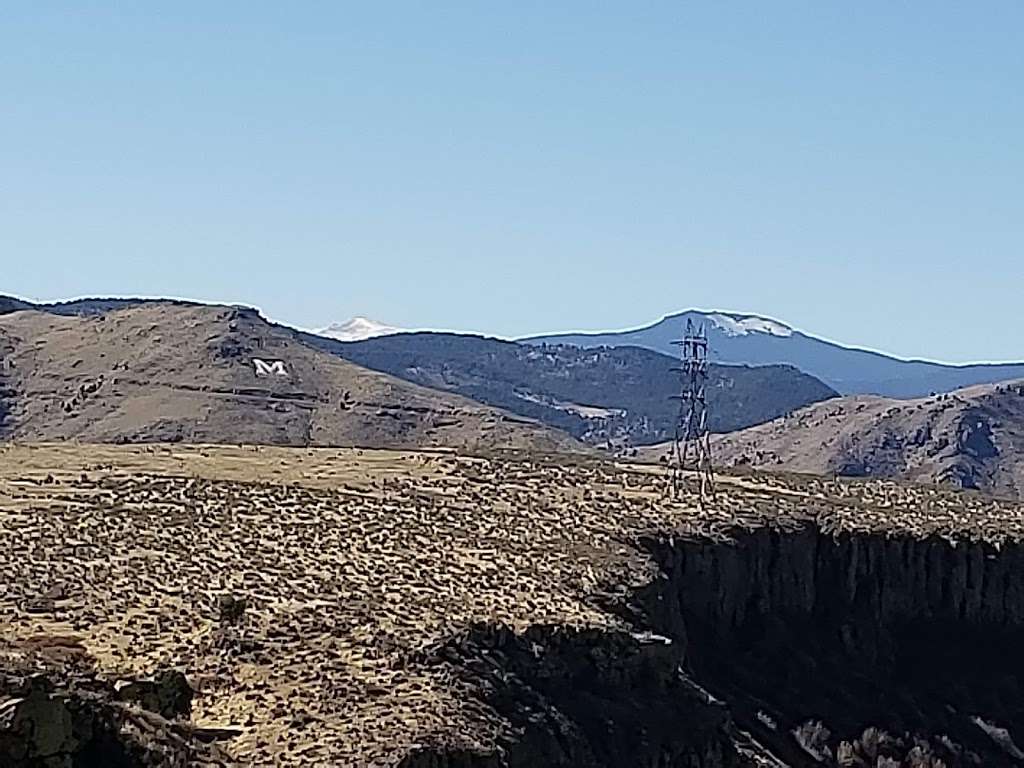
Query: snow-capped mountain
{"points": [[756, 340], [741, 325], [357, 329]]}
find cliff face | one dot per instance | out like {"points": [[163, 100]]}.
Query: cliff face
{"points": [[795, 648], [806, 631], [588, 698]]}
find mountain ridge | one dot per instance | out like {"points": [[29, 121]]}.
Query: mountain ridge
{"points": [[217, 374], [849, 370], [615, 397], [736, 338]]}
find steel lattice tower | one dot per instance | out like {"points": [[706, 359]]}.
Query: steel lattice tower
{"points": [[692, 446]]}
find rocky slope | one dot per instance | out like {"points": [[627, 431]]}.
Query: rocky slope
{"points": [[179, 372], [426, 610], [70, 718], [972, 438], [602, 396], [754, 340]]}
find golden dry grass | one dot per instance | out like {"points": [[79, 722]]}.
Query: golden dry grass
{"points": [[353, 561]]}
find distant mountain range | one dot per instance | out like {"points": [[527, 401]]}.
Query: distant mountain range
{"points": [[753, 340], [149, 370], [612, 397], [735, 339], [615, 397]]}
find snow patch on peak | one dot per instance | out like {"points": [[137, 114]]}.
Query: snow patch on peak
{"points": [[357, 329], [738, 325]]}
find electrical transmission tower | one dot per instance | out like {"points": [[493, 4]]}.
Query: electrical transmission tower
{"points": [[692, 447]]}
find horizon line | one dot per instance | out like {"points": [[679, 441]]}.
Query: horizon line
{"points": [[527, 337]]}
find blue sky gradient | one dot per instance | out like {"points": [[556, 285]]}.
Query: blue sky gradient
{"points": [[853, 169]]}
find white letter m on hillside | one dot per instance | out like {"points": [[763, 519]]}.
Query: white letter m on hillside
{"points": [[272, 368]]}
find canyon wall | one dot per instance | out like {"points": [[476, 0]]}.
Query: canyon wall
{"points": [[774, 648], [917, 637]]}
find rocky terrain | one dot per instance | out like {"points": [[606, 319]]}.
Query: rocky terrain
{"points": [[164, 371], [972, 438], [373, 608], [619, 396], [70, 717]]}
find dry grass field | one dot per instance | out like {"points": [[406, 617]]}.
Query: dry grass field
{"points": [[353, 564]]}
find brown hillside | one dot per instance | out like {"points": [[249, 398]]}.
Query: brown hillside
{"points": [[972, 438], [168, 372]]}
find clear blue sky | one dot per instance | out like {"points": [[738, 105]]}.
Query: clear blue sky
{"points": [[856, 169]]}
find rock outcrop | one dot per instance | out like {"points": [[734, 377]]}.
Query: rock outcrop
{"points": [[589, 699], [69, 720]]}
